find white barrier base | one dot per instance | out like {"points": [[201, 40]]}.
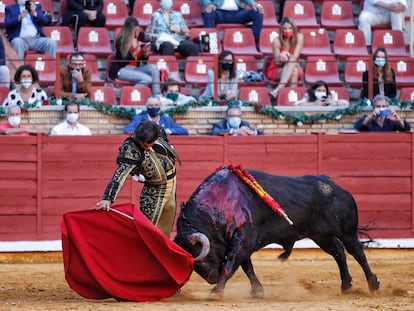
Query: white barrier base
{"points": [[51, 246]]}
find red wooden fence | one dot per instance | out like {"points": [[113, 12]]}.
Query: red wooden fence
{"points": [[41, 177]]}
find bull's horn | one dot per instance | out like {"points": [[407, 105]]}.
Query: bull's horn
{"points": [[205, 242]]}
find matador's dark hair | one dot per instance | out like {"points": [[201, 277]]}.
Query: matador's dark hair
{"points": [[146, 132]]}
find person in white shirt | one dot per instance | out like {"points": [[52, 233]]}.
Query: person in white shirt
{"points": [[381, 12], [71, 126]]}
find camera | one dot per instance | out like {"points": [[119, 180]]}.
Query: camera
{"points": [[27, 5]]}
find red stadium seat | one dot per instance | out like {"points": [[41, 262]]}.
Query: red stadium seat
{"points": [[316, 42], [104, 95], [407, 93], [391, 40], [322, 68], [196, 69], [191, 12], [337, 14], [115, 82], [354, 69], [94, 40], [167, 62], [115, 12], [143, 10], [45, 66], [404, 70], [92, 63], [255, 95], [134, 95], [339, 92], [4, 91], [214, 44], [269, 15], [288, 96], [349, 42], [302, 12], [240, 41], [267, 35], [63, 37]]}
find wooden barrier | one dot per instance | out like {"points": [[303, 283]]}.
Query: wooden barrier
{"points": [[41, 177]]}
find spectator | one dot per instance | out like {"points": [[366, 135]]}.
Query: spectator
{"points": [[381, 12], [4, 70], [75, 78], [153, 113], [319, 95], [71, 125], [169, 32], [234, 125], [147, 156], [227, 78], [13, 125], [172, 96], [131, 54], [382, 119], [286, 52], [27, 89], [384, 76], [83, 12], [233, 12], [24, 29]]}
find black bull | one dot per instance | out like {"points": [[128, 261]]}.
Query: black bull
{"points": [[225, 221]]}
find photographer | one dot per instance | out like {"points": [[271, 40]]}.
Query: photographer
{"points": [[319, 95], [382, 119], [31, 36], [75, 78]]}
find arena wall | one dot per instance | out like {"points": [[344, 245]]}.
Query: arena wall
{"points": [[41, 176]]}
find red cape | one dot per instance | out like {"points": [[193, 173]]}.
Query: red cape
{"points": [[108, 255]]}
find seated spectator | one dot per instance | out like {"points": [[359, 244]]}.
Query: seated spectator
{"points": [[285, 65], [27, 89], [24, 29], [13, 125], [382, 119], [153, 113], [171, 96], [4, 70], [319, 95], [169, 32], [228, 79], [384, 76], [71, 125], [131, 55], [381, 12], [75, 78], [84, 13], [233, 12], [234, 125]]}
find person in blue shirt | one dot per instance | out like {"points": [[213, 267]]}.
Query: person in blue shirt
{"points": [[153, 113], [382, 118], [234, 125]]}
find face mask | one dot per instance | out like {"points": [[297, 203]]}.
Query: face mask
{"points": [[288, 34], [153, 112], [21, 2], [234, 122], [166, 4], [72, 117], [14, 121], [173, 96], [26, 83], [226, 66], [380, 62], [319, 94]]}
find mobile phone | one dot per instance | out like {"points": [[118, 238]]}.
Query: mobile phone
{"points": [[27, 5], [384, 113]]}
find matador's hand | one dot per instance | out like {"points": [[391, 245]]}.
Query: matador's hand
{"points": [[104, 204]]}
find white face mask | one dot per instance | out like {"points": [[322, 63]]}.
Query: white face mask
{"points": [[72, 117], [26, 83], [14, 121], [319, 94]]}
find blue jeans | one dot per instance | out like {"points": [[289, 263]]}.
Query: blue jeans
{"points": [[142, 75], [241, 16]]}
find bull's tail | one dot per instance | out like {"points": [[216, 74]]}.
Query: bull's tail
{"points": [[363, 232]]}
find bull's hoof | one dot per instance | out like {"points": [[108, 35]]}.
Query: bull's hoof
{"points": [[345, 287], [216, 294], [374, 284], [257, 292]]}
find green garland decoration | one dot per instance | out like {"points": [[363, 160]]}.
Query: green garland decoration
{"points": [[298, 118]]}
